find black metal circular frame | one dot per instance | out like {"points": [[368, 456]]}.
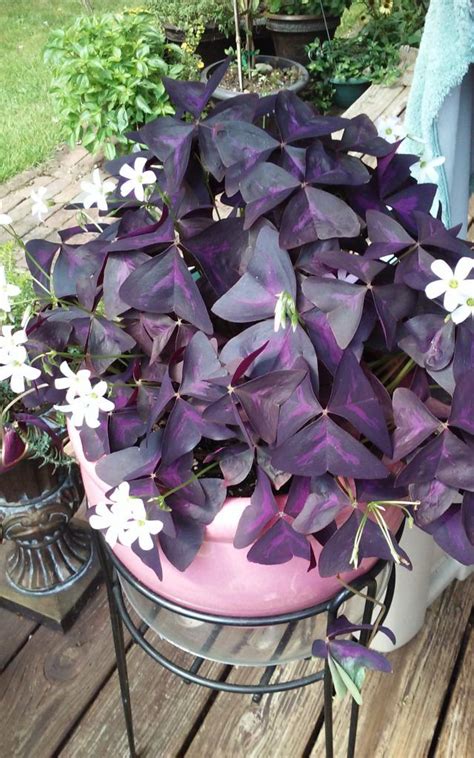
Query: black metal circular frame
{"points": [[120, 617]]}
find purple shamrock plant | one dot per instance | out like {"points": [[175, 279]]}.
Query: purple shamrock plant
{"points": [[261, 313]]}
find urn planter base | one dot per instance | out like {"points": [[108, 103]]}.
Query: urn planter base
{"points": [[48, 563], [59, 607]]}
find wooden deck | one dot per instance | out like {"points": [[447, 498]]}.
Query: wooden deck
{"points": [[59, 696]]}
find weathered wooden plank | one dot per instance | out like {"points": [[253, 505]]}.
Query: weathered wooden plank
{"points": [[374, 101], [400, 711], [50, 682], [164, 709], [14, 632], [280, 725], [457, 733]]}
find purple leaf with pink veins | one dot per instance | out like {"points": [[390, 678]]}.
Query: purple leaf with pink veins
{"points": [[353, 398], [262, 510], [269, 273], [413, 422], [165, 285], [323, 446]]}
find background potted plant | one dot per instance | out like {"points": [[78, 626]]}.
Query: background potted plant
{"points": [[108, 77], [205, 26], [343, 68], [249, 71], [296, 23], [246, 372]]}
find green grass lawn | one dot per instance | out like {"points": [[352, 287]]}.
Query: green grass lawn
{"points": [[29, 131]]}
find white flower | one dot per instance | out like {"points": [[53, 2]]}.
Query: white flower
{"points": [[39, 208], [285, 308], [454, 285], [342, 276], [464, 310], [6, 291], [425, 169], [114, 518], [391, 128], [85, 408], [10, 340], [141, 529], [126, 520], [137, 177], [75, 384], [16, 369], [96, 191], [5, 219]]}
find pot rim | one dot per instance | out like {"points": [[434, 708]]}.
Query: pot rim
{"points": [[300, 17], [353, 80], [221, 93]]}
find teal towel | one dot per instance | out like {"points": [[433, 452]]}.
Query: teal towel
{"points": [[446, 52]]}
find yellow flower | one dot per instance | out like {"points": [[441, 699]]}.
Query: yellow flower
{"points": [[200, 64], [386, 7]]}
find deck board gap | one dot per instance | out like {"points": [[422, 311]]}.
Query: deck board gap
{"points": [[314, 735], [451, 685], [18, 650], [74, 725], [193, 730]]}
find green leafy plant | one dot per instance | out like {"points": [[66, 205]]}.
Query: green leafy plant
{"points": [[191, 14], [398, 21], [107, 77], [307, 7], [341, 59]]}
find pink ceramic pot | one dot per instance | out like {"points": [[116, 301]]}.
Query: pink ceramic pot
{"points": [[221, 580]]}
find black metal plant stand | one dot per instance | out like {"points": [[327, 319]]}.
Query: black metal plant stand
{"points": [[120, 616]]}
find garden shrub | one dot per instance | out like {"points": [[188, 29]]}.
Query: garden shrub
{"points": [[107, 76]]}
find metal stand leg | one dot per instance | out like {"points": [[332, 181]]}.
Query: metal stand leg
{"points": [[328, 693], [119, 644], [363, 639]]}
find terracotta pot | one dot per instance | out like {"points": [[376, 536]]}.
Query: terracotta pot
{"points": [[220, 93], [291, 34]]}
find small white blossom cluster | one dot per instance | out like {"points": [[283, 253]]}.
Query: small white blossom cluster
{"points": [[126, 520], [456, 288], [13, 354], [392, 129], [13, 360], [84, 400]]}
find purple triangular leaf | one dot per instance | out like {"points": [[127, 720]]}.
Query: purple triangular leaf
{"points": [[165, 285], [315, 214], [353, 398], [279, 545], [323, 446], [258, 515], [414, 423], [342, 303], [324, 502]]}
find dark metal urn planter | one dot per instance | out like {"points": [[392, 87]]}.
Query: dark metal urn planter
{"points": [[291, 34], [48, 564], [347, 91], [221, 93]]}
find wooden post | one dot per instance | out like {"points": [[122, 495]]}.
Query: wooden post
{"points": [[238, 45]]}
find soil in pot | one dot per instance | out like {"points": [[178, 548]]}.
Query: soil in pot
{"points": [[291, 34], [347, 92], [271, 75]]}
